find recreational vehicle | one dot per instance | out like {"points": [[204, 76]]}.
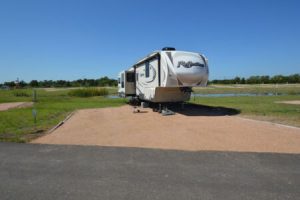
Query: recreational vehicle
{"points": [[164, 76]]}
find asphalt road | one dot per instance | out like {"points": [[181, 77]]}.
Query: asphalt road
{"points": [[32, 171]]}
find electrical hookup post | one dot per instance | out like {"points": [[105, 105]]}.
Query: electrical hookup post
{"points": [[34, 111], [34, 114], [34, 97]]}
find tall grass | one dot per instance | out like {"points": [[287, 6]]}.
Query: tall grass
{"points": [[20, 93], [88, 92]]}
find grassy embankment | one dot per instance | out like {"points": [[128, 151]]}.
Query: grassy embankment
{"points": [[257, 107], [52, 107]]}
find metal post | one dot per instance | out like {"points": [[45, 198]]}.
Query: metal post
{"points": [[34, 95], [34, 113]]}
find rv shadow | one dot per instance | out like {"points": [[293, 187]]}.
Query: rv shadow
{"points": [[191, 109]]}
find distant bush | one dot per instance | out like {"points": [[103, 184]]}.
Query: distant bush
{"points": [[21, 94], [88, 92], [277, 79]]}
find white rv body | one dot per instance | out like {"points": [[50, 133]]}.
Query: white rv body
{"points": [[164, 76]]}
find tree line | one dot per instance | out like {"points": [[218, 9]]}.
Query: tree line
{"points": [[294, 78], [101, 82], [105, 81]]}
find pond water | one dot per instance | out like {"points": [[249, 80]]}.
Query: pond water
{"points": [[220, 95], [236, 94], [112, 96]]}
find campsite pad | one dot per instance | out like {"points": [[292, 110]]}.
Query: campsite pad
{"points": [[194, 130], [6, 106]]}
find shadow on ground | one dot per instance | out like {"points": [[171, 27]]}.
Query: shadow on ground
{"points": [[191, 109]]}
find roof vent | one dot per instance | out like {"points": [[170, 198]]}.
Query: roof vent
{"points": [[168, 49]]}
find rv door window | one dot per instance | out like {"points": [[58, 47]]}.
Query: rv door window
{"points": [[147, 69], [130, 77]]}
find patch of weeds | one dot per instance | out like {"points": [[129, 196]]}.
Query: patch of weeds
{"points": [[88, 92], [21, 94]]}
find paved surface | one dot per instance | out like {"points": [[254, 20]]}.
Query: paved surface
{"points": [[31, 171], [195, 128]]}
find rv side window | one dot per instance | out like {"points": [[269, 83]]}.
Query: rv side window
{"points": [[130, 77], [122, 80], [147, 69]]}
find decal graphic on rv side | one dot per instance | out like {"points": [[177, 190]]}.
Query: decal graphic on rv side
{"points": [[189, 64]]}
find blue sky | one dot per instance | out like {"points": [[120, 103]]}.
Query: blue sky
{"points": [[59, 39]]}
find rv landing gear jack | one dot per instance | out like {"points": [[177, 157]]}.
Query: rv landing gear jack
{"points": [[163, 109], [166, 111]]}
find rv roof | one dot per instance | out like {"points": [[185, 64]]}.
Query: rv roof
{"points": [[149, 55], [156, 52]]}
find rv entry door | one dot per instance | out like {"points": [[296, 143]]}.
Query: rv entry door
{"points": [[130, 83]]}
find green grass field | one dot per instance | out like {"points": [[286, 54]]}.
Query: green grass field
{"points": [[258, 107], [290, 89], [53, 105]]}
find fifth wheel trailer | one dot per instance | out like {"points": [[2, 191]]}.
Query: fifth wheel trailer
{"points": [[164, 76]]}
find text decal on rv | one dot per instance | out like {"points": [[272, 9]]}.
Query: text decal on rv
{"points": [[189, 64]]}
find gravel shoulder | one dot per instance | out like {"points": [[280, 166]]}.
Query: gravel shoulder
{"points": [[120, 127]]}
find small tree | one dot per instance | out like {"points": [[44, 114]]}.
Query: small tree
{"points": [[34, 83]]}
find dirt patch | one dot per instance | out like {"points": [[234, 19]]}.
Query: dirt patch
{"points": [[294, 102], [121, 127], [6, 106]]}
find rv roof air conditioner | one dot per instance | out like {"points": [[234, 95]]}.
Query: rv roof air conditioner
{"points": [[168, 49]]}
